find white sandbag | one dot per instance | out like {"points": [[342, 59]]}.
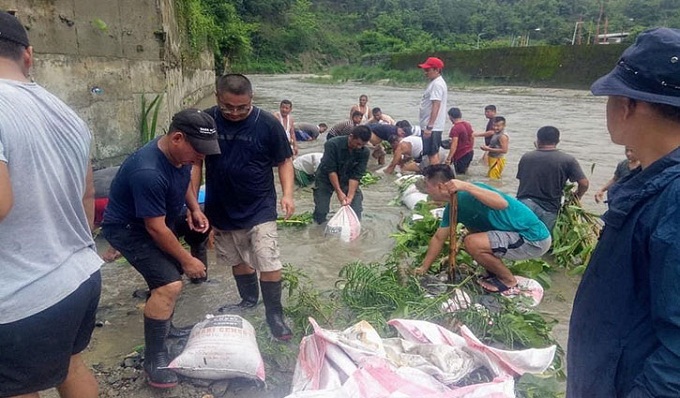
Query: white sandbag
{"points": [[408, 179], [221, 347], [410, 201], [344, 224], [438, 212], [411, 189]]}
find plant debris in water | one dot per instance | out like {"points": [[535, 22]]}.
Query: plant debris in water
{"points": [[296, 220], [369, 179]]}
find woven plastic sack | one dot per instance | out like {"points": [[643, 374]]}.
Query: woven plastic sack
{"points": [[344, 224], [221, 347]]}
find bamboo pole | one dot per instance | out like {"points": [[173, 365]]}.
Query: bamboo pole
{"points": [[453, 238]]}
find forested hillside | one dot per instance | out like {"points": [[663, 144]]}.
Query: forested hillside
{"points": [[284, 35]]}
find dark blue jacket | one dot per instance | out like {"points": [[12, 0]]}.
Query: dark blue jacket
{"points": [[624, 335]]}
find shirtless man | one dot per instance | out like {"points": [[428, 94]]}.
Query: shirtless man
{"points": [[380, 118], [361, 107], [288, 123]]}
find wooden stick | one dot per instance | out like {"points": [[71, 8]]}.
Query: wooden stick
{"points": [[453, 237]]}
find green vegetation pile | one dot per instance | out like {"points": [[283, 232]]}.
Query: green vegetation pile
{"points": [[575, 234], [369, 179]]}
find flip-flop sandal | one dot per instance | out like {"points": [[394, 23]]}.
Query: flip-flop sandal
{"points": [[488, 275], [502, 287]]}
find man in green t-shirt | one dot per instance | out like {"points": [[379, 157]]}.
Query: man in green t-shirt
{"points": [[501, 227], [342, 166]]}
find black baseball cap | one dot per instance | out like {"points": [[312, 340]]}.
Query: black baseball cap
{"points": [[648, 71], [12, 30], [199, 129]]}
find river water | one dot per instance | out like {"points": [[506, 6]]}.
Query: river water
{"points": [[579, 116]]}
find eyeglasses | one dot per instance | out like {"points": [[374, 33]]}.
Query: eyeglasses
{"points": [[238, 110]]}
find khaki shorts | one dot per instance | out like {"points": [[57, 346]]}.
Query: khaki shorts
{"points": [[257, 247]]}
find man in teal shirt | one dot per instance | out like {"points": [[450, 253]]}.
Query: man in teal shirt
{"points": [[501, 227]]}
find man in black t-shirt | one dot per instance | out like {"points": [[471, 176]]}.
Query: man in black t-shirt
{"points": [[147, 195], [542, 174], [241, 196]]}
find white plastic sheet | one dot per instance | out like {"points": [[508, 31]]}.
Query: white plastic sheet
{"points": [[357, 363]]}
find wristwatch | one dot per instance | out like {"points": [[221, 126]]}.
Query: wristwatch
{"points": [[429, 127]]}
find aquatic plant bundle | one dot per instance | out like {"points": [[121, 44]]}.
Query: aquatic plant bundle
{"points": [[575, 234], [296, 220], [369, 179]]}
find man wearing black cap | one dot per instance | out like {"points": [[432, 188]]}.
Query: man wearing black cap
{"points": [[433, 108], [624, 333], [147, 195], [50, 268]]}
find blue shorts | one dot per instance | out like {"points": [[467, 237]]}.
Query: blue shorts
{"points": [[35, 352]]}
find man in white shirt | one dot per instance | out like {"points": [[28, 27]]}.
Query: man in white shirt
{"points": [[433, 108]]}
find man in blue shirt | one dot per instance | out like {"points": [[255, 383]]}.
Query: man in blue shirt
{"points": [[624, 332], [147, 195], [500, 226], [241, 196]]}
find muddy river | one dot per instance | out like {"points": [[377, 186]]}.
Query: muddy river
{"points": [[579, 116]]}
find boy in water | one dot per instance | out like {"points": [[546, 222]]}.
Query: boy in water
{"points": [[497, 148], [490, 114]]}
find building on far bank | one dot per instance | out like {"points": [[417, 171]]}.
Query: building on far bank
{"points": [[612, 38]]}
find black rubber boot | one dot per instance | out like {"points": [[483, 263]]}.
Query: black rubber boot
{"points": [[155, 355], [271, 295], [178, 333], [200, 251], [247, 289]]}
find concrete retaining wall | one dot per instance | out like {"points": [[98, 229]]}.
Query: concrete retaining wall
{"points": [[102, 56]]}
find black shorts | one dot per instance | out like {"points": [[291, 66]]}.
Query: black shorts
{"points": [[139, 249], [35, 352], [432, 143], [461, 165]]}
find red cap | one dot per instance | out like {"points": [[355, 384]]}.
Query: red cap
{"points": [[432, 62]]}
